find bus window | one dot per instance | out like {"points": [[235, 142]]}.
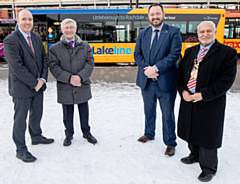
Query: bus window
{"points": [[92, 32], [123, 31], [232, 32], [182, 25], [238, 31], [232, 28], [110, 33], [191, 35], [137, 27]]}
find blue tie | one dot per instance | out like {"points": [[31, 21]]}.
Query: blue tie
{"points": [[154, 47]]}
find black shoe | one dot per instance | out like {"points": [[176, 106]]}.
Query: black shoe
{"points": [[189, 159], [41, 140], [90, 138], [67, 141], [26, 156], [170, 151], [205, 177]]}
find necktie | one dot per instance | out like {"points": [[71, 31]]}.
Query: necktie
{"points": [[30, 44], [154, 47], [193, 78]]}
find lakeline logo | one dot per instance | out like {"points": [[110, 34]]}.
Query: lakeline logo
{"points": [[111, 50]]}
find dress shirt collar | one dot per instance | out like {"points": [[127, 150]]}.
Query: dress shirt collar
{"points": [[24, 33], [157, 28], [207, 47]]}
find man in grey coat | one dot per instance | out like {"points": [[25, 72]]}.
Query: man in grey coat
{"points": [[27, 78], [71, 63]]}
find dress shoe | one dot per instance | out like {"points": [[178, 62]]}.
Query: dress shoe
{"points": [[205, 177], [189, 159], [42, 140], [26, 156], [67, 141], [144, 139], [170, 151], [90, 138]]}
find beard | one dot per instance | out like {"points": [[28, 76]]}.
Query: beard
{"points": [[156, 24]]}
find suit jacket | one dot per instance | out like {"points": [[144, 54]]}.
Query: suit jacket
{"points": [[24, 67], [165, 57], [201, 123]]}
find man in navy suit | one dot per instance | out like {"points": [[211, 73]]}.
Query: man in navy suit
{"points": [[157, 50], [27, 78]]}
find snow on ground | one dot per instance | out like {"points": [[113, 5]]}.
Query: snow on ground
{"points": [[117, 120]]}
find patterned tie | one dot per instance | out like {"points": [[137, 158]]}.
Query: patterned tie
{"points": [[193, 78], [71, 44], [30, 44]]}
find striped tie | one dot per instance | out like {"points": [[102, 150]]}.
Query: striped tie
{"points": [[193, 78]]}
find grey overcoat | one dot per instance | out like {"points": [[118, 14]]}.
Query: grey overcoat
{"points": [[64, 62]]}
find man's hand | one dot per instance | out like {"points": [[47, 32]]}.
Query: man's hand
{"points": [[75, 80], [39, 85], [150, 72], [197, 97], [187, 96]]}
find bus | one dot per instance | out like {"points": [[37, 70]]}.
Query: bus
{"points": [[232, 29], [6, 27], [112, 33]]}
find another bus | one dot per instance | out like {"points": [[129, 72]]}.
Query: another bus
{"points": [[112, 33], [232, 30], [6, 27]]}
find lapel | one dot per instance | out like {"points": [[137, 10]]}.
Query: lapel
{"points": [[190, 61], [162, 37], [34, 43], [36, 50], [147, 41], [24, 42], [194, 54], [211, 51]]}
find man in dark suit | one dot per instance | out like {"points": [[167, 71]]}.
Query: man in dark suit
{"points": [[28, 73], [206, 72], [157, 50]]}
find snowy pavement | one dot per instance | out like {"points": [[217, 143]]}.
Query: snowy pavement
{"points": [[117, 120]]}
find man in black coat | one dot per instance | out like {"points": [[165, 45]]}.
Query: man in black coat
{"points": [[27, 78], [206, 72]]}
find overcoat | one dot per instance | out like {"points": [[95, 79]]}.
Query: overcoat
{"points": [[201, 123], [65, 61]]}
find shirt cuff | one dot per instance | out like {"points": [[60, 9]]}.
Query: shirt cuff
{"points": [[155, 68], [43, 80]]}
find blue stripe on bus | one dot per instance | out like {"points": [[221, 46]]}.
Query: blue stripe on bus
{"points": [[79, 11]]}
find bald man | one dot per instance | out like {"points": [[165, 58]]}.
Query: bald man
{"points": [[206, 72], [27, 78]]}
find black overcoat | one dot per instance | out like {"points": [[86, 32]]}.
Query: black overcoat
{"points": [[201, 123]]}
